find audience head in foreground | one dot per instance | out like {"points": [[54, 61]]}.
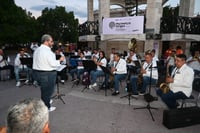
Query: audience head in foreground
{"points": [[28, 116]]}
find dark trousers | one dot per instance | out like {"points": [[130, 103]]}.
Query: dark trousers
{"points": [[47, 82], [170, 98]]}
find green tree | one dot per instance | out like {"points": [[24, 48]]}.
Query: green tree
{"points": [[169, 11], [60, 24], [16, 26]]}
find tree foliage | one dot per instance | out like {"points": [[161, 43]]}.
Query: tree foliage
{"points": [[60, 24], [19, 26], [15, 25], [169, 11]]}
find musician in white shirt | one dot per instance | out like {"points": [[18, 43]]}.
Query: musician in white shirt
{"points": [[45, 65], [180, 83], [18, 66], [149, 72], [79, 69], [194, 61], [119, 70], [101, 61]]}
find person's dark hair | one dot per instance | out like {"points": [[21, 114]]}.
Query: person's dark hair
{"points": [[27, 116], [45, 37], [193, 52], [178, 47], [148, 52], [153, 50], [182, 56], [117, 54], [103, 53]]}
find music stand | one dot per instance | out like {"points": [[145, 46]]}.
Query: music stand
{"points": [[129, 90], [89, 65], [58, 94], [28, 62], [148, 97], [106, 72]]}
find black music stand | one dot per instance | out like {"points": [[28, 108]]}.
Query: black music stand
{"points": [[88, 66], [106, 72], [58, 94], [28, 62], [129, 90], [149, 98]]}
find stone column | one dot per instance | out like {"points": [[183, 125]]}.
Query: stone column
{"points": [[153, 14], [186, 8], [90, 10], [104, 12]]}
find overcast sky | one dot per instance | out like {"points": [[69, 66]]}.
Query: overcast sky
{"points": [[78, 6]]}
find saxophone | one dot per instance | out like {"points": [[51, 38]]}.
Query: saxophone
{"points": [[164, 87]]}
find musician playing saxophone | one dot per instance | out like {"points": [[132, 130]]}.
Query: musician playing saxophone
{"points": [[130, 58], [180, 83], [149, 71], [119, 71]]}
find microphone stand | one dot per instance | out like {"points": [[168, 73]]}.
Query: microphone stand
{"points": [[148, 97]]}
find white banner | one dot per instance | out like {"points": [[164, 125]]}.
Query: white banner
{"points": [[123, 25]]}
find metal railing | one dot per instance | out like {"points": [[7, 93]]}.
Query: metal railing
{"points": [[89, 28], [184, 25]]}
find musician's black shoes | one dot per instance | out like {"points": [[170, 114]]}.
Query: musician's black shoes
{"points": [[115, 93], [135, 94], [141, 93]]}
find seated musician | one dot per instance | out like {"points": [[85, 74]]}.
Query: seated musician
{"points": [[180, 83], [62, 73], [194, 61], [4, 63], [149, 72], [170, 62], [18, 66], [130, 61], [101, 61], [79, 69], [119, 71]]}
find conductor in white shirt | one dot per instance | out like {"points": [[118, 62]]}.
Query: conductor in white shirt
{"points": [[45, 65]]}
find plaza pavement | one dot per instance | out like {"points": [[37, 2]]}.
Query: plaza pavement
{"points": [[92, 112]]}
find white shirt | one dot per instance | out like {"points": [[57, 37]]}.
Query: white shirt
{"points": [[155, 58], [44, 59], [194, 64], [3, 62], [120, 67], [183, 80], [133, 58], [148, 68], [34, 46], [87, 53], [63, 62], [104, 63], [17, 61]]}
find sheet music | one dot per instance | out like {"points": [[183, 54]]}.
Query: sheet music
{"points": [[60, 68]]}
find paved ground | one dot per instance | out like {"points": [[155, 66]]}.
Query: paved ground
{"points": [[90, 111]]}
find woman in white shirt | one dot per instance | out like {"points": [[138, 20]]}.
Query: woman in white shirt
{"points": [[101, 61]]}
